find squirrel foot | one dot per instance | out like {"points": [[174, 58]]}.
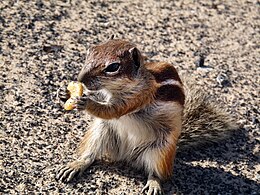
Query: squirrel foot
{"points": [[153, 186], [68, 172]]}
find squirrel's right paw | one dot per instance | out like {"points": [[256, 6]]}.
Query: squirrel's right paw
{"points": [[81, 102]]}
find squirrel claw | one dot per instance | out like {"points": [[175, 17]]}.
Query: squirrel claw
{"points": [[63, 94], [153, 186], [67, 173]]}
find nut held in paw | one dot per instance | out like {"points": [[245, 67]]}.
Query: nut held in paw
{"points": [[75, 90]]}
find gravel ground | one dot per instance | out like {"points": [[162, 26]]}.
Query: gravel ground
{"points": [[43, 43]]}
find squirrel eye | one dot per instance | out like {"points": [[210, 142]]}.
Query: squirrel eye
{"points": [[111, 68]]}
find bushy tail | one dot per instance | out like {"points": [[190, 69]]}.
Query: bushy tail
{"points": [[204, 121]]}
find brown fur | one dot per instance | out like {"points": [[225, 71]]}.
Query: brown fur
{"points": [[121, 106], [162, 71], [166, 162], [100, 56], [169, 151], [170, 93]]}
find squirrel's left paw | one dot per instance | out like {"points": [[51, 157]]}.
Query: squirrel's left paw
{"points": [[153, 186], [68, 172]]}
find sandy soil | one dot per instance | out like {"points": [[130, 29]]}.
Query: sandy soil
{"points": [[43, 43]]}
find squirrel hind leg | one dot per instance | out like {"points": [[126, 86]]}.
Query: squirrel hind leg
{"points": [[158, 163]]}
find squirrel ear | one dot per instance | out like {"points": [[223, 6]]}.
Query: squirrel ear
{"points": [[136, 56]]}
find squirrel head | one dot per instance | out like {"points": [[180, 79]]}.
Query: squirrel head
{"points": [[113, 65]]}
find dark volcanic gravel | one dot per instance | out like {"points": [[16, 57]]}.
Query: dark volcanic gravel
{"points": [[43, 43]]}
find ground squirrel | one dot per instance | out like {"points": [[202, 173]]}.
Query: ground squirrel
{"points": [[138, 110]]}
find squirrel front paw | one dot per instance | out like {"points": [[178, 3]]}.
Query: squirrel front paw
{"points": [[81, 102], [69, 94], [63, 94], [68, 172]]}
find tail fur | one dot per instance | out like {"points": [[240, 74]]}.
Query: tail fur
{"points": [[204, 120]]}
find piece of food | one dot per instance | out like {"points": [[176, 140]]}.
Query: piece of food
{"points": [[75, 90]]}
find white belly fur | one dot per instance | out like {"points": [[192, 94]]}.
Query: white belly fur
{"points": [[132, 133]]}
